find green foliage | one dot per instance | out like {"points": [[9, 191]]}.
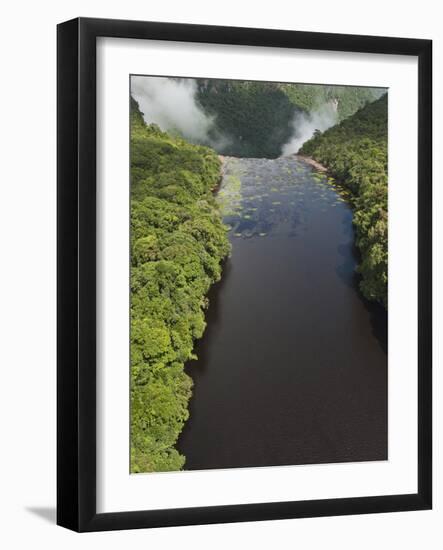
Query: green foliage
{"points": [[257, 117], [355, 152], [177, 244], [348, 99]]}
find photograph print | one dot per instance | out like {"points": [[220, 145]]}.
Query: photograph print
{"points": [[258, 273]]}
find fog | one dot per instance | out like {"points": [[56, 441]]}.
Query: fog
{"points": [[172, 105], [305, 125]]}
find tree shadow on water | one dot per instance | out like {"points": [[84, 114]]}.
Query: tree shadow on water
{"points": [[349, 254], [196, 368], [346, 270], [203, 346], [349, 275], [379, 321]]}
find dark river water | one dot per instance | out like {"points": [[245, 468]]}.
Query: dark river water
{"points": [[292, 367]]}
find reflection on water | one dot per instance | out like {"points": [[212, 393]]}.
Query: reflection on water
{"points": [[292, 367]]}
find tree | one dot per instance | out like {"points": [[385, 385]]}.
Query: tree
{"points": [[177, 244]]}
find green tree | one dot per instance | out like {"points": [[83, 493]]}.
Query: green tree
{"points": [[356, 153], [178, 242]]}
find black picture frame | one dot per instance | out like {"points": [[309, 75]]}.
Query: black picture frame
{"points": [[76, 266]]}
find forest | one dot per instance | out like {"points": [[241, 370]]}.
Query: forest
{"points": [[178, 243], [356, 153], [349, 99], [258, 117]]}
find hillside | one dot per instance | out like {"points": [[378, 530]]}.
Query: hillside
{"points": [[349, 99], [355, 152], [258, 118], [177, 244], [255, 117]]}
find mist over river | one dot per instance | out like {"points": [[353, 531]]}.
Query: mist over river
{"points": [[292, 366]]}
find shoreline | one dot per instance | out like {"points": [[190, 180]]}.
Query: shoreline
{"points": [[217, 186], [319, 167], [309, 160]]}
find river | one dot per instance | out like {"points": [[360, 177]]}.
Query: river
{"points": [[292, 367]]}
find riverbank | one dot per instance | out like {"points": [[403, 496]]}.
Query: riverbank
{"points": [[312, 162], [178, 242], [356, 154]]}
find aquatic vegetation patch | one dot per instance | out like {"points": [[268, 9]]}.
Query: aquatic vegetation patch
{"points": [[280, 203], [229, 196]]}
